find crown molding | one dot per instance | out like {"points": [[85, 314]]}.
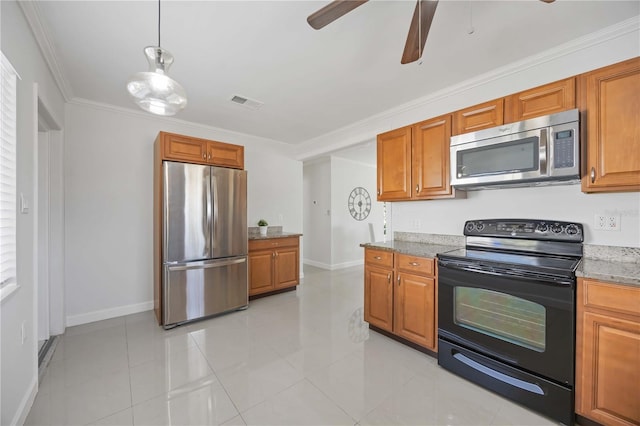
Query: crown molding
{"points": [[357, 132], [139, 114], [47, 48]]}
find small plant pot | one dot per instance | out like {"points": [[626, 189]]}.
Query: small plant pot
{"points": [[263, 230]]}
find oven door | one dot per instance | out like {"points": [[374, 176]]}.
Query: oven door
{"points": [[523, 319]]}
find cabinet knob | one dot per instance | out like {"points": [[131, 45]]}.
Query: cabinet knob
{"points": [[204, 156], [593, 174], [377, 257]]}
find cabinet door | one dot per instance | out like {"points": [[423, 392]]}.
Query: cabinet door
{"points": [[430, 158], [286, 267], [608, 370], [184, 148], [378, 297], [394, 165], [225, 155], [261, 272], [548, 99], [414, 309], [612, 109], [483, 116]]}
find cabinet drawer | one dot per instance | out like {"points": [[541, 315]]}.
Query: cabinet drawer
{"points": [[415, 265], [613, 297], [379, 258], [272, 243]]}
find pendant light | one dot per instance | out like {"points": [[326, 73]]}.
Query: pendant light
{"points": [[154, 91]]}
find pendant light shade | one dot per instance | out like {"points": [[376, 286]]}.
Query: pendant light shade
{"points": [[154, 91]]}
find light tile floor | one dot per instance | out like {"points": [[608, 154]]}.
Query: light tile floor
{"points": [[298, 358]]}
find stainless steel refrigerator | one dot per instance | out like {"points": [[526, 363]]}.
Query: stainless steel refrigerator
{"points": [[204, 241]]}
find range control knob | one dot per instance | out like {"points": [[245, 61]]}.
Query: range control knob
{"points": [[480, 226], [543, 227], [572, 229], [470, 226], [556, 229]]}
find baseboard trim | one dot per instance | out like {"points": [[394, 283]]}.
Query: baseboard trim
{"points": [[334, 266], [25, 405], [104, 314]]}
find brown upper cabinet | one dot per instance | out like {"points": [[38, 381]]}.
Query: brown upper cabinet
{"points": [[201, 151], [548, 99], [543, 100], [610, 108], [413, 161], [478, 117]]}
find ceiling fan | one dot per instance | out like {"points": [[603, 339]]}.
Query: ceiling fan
{"points": [[418, 30]]}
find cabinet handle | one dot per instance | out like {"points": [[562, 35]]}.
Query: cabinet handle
{"points": [[378, 192], [209, 156], [414, 264], [417, 188], [273, 254], [398, 280], [204, 156], [377, 257], [389, 277], [593, 174]]}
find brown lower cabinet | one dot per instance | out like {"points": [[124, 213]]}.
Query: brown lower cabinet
{"points": [[608, 352], [400, 295], [274, 264]]}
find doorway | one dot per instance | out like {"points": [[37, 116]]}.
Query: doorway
{"points": [[49, 211]]}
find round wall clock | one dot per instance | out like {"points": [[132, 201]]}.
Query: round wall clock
{"points": [[359, 203]]}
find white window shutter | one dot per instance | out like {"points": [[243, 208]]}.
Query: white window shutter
{"points": [[8, 280]]}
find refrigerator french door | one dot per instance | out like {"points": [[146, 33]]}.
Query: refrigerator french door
{"points": [[205, 241]]}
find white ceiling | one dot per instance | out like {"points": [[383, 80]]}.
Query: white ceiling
{"points": [[311, 82]]}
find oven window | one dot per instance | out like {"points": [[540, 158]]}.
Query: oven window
{"points": [[509, 157], [501, 315]]}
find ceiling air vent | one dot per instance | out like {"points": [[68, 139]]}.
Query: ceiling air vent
{"points": [[246, 102]]}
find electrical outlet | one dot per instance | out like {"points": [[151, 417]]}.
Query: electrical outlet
{"points": [[605, 222]]}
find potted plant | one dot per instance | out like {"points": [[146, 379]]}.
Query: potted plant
{"points": [[263, 225]]}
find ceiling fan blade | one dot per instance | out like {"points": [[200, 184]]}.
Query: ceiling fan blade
{"points": [[332, 11], [419, 29]]}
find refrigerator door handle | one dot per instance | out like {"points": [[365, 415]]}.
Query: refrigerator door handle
{"points": [[207, 212], [207, 265], [214, 224]]}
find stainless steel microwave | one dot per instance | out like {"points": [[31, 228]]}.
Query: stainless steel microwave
{"points": [[538, 151]]}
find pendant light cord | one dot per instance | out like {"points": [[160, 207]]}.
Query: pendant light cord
{"points": [[158, 23]]}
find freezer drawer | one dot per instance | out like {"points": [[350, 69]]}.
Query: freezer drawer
{"points": [[199, 289]]}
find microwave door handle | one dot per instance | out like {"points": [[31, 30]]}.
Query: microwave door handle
{"points": [[543, 151]]}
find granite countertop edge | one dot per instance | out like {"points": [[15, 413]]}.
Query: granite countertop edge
{"points": [[271, 235], [624, 273], [411, 248]]}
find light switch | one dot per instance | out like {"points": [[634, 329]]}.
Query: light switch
{"points": [[24, 205]]}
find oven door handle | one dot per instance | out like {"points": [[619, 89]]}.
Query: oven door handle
{"points": [[513, 381], [479, 268]]}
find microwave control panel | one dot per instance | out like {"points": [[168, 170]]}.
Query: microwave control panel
{"points": [[563, 149]]}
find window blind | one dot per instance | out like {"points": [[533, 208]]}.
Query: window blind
{"points": [[7, 178]]}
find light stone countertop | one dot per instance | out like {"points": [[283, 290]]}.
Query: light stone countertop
{"points": [[272, 232], [411, 248], [627, 273]]}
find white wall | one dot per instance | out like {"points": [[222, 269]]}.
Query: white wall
{"points": [[347, 233], [317, 213], [108, 206], [18, 365], [333, 236], [609, 46], [566, 203]]}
